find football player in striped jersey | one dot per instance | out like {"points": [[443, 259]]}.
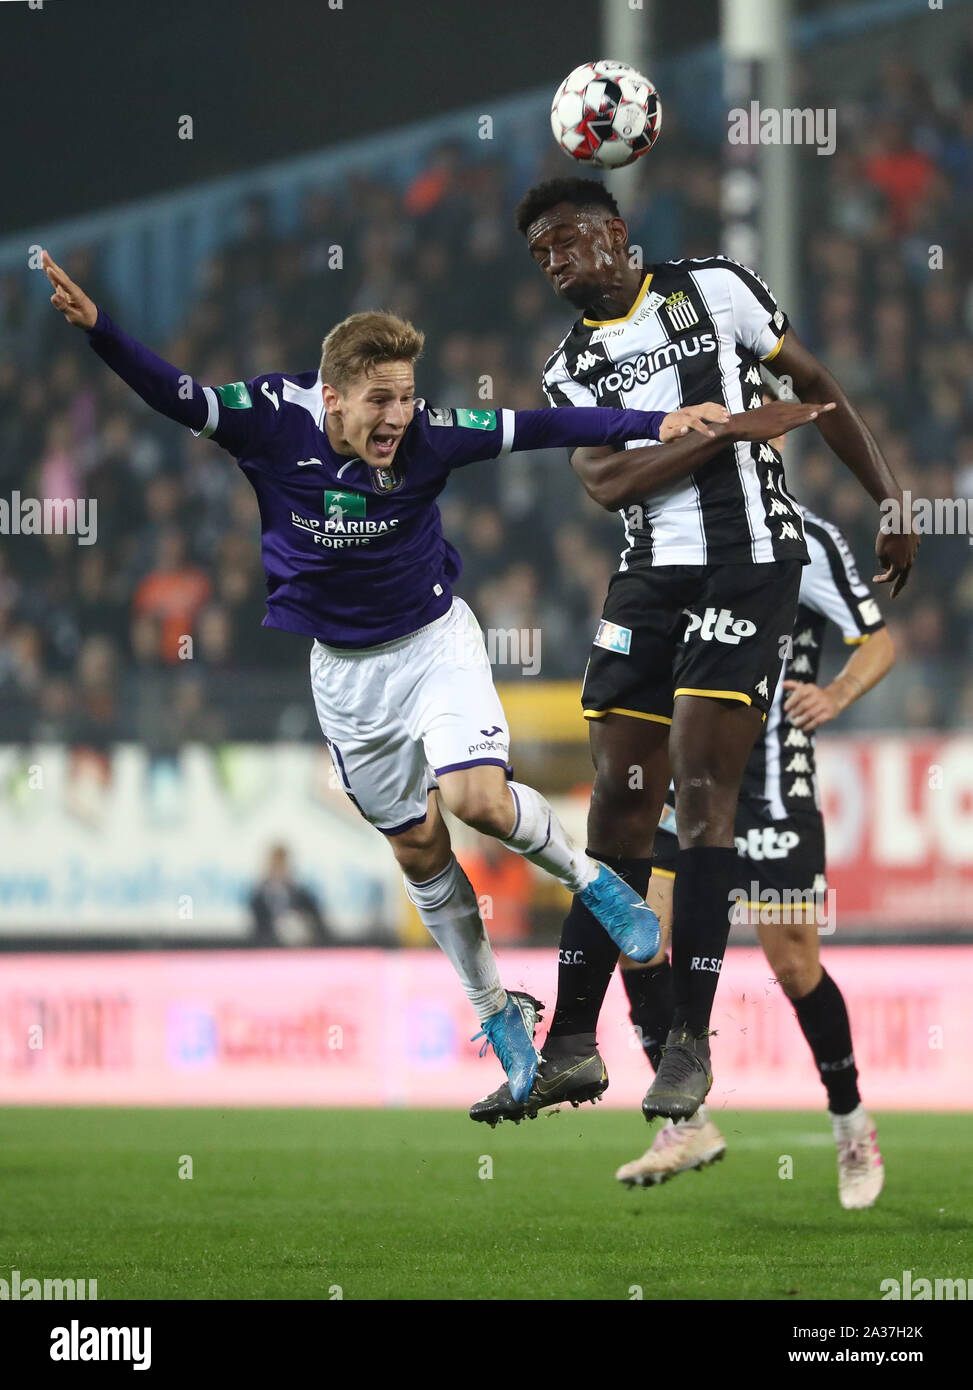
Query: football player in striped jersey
{"points": [[686, 659], [780, 843]]}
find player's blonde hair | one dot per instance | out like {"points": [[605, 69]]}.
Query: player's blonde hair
{"points": [[362, 341]]}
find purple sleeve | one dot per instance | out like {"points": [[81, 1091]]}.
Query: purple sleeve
{"points": [[161, 385], [584, 425]]}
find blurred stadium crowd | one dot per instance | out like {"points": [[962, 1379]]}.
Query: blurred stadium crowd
{"points": [[90, 636]]}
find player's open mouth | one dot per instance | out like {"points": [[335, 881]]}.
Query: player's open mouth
{"points": [[384, 444]]}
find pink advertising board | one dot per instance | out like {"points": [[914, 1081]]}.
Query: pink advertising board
{"points": [[370, 1028]]}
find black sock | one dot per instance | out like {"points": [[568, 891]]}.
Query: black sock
{"points": [[650, 1007], [823, 1017], [587, 956], [701, 902]]}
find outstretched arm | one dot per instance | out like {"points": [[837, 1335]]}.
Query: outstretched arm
{"points": [[616, 478], [850, 438], [599, 425], [161, 385]]}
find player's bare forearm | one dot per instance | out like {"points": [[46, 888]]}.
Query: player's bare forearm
{"points": [[809, 706], [616, 478], [843, 429], [867, 665]]}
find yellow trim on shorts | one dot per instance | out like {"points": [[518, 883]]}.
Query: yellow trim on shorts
{"points": [[632, 714], [774, 351], [857, 641], [715, 694], [663, 873], [602, 323]]}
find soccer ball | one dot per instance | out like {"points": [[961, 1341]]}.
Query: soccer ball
{"points": [[606, 113]]}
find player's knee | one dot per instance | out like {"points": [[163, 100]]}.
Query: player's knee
{"points": [[485, 809], [617, 809], [418, 850], [705, 808], [795, 968]]}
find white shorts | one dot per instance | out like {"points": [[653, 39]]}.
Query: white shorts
{"points": [[398, 715]]}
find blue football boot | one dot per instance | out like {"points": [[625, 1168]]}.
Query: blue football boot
{"points": [[511, 1035], [626, 917]]}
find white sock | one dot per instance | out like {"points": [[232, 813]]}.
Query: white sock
{"points": [[850, 1126], [449, 912], [695, 1121], [541, 838]]}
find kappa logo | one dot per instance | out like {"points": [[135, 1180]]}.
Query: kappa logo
{"points": [[586, 361], [718, 626], [762, 688]]}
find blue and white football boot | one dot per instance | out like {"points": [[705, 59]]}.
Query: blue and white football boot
{"points": [[626, 917], [511, 1035]]}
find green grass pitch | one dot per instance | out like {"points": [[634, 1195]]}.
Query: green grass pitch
{"points": [[392, 1205]]}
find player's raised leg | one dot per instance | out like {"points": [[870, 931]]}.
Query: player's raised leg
{"points": [[459, 717], [792, 948]]}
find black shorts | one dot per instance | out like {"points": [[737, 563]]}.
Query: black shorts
{"points": [[786, 856], [669, 630]]}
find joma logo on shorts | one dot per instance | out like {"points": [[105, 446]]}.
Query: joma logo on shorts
{"points": [[718, 625]]}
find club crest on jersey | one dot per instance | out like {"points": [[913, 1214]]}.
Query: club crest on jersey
{"points": [[339, 506], [681, 311], [614, 638], [387, 479]]}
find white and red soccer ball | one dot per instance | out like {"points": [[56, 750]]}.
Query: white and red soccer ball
{"points": [[606, 114]]}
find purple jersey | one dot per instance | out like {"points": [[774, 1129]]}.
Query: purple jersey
{"points": [[354, 555]]}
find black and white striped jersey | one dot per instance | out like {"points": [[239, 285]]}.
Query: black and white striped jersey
{"points": [[781, 768], [698, 331]]}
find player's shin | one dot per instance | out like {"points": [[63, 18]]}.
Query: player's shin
{"points": [[448, 908], [705, 877], [650, 1004], [586, 960]]}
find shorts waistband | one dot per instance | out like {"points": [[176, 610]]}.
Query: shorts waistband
{"points": [[392, 646]]}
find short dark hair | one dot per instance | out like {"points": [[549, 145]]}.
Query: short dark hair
{"points": [[582, 193]]}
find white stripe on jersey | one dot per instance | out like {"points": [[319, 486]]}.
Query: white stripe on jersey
{"points": [[761, 540], [507, 425], [307, 396], [212, 413], [820, 591]]}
